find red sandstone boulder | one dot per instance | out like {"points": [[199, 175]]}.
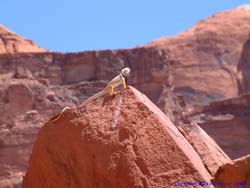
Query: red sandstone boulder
{"points": [[235, 174], [122, 141]]}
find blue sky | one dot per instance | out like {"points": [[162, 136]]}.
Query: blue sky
{"points": [[79, 25]]}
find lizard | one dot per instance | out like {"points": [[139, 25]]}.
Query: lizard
{"points": [[120, 79], [117, 81]]}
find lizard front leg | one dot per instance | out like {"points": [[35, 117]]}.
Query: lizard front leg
{"points": [[124, 83]]}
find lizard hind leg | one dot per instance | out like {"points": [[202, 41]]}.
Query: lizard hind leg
{"points": [[110, 90]]}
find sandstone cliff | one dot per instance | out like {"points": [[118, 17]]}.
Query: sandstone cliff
{"points": [[206, 57]]}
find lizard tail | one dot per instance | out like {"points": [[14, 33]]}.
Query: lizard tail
{"points": [[53, 119], [97, 95]]}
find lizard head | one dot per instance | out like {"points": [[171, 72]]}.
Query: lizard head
{"points": [[125, 72]]}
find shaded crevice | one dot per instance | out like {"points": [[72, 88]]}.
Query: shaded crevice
{"points": [[4, 43], [223, 65], [244, 67]]}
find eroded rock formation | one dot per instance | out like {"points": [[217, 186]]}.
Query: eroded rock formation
{"points": [[122, 141], [201, 63], [205, 57], [227, 122], [12, 43], [37, 85]]}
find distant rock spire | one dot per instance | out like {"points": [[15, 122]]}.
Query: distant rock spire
{"points": [[10, 42]]}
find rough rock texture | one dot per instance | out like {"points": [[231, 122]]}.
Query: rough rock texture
{"points": [[235, 174], [210, 153], [227, 122], [122, 141], [206, 57], [12, 43]]}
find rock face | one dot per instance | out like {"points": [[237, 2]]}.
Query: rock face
{"points": [[210, 153], [201, 63], [122, 141], [24, 107], [235, 174], [12, 43], [227, 122], [49, 77], [206, 57], [37, 85]]}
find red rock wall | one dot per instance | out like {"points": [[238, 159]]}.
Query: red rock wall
{"points": [[206, 56], [227, 122]]}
